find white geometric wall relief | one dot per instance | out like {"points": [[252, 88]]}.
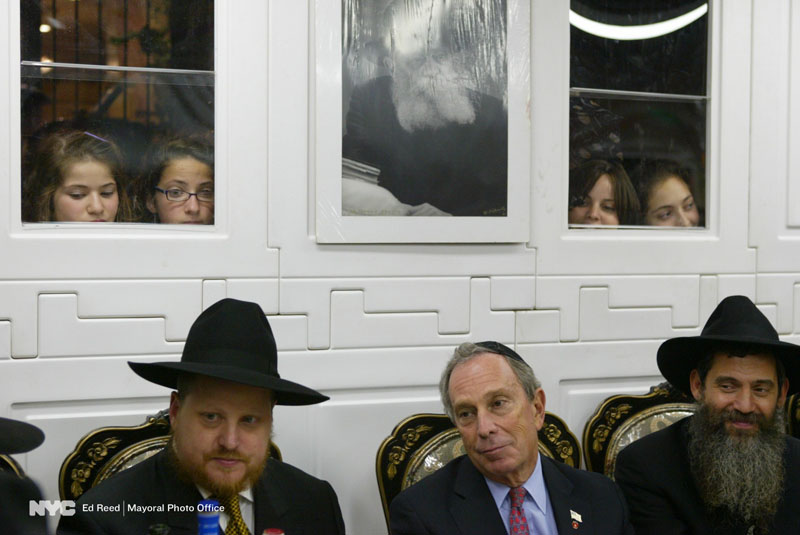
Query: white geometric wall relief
{"points": [[213, 290], [513, 293], [352, 326], [793, 196], [265, 292], [63, 333], [537, 326], [5, 340], [447, 298], [355, 482], [290, 331], [598, 321], [743, 284], [593, 369], [177, 302], [782, 291], [679, 294]]}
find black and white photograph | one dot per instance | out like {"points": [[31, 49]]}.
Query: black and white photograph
{"points": [[424, 108]]}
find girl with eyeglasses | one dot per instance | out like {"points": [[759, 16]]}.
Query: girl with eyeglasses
{"points": [[179, 188]]}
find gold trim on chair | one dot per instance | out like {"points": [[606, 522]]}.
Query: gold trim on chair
{"points": [[8, 464], [619, 419], [109, 450]]}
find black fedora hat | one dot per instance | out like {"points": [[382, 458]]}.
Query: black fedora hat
{"points": [[231, 340], [18, 437], [736, 320]]}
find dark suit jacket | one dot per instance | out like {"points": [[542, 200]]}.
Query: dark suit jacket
{"points": [[654, 475], [285, 498], [15, 492], [456, 500], [461, 169]]}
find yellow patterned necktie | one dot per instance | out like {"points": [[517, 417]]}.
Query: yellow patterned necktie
{"points": [[236, 525]]}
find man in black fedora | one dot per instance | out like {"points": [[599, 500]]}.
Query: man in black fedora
{"points": [[16, 492], [730, 468], [226, 384]]}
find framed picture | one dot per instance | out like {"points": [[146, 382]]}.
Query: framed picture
{"points": [[422, 121]]}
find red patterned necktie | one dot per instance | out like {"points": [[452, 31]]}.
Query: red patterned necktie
{"points": [[517, 523]]}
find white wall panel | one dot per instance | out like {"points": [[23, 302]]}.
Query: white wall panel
{"points": [[177, 302], [576, 377], [775, 120], [572, 295], [781, 290], [359, 420], [63, 333], [513, 293], [5, 340]]}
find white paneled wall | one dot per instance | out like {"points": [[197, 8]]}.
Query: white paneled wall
{"points": [[372, 325]]}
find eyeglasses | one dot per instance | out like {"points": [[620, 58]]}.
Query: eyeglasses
{"points": [[178, 195]]}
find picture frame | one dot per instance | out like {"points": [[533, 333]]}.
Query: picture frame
{"points": [[335, 224]]}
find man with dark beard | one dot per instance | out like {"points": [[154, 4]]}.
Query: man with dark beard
{"points": [[221, 418], [432, 135], [727, 469]]}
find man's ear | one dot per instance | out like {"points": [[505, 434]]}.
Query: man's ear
{"points": [[783, 393], [538, 405], [696, 385], [174, 405]]}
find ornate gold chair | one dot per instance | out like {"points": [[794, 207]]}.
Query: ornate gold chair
{"points": [[8, 464], [108, 450], [620, 420], [793, 415], [423, 443]]}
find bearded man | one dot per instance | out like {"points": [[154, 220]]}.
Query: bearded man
{"points": [[729, 468], [434, 138], [221, 418]]}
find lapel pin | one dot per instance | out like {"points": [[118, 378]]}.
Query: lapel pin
{"points": [[576, 519]]}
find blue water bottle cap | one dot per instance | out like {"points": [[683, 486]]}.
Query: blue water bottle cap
{"points": [[208, 517]]}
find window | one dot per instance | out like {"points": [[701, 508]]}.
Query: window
{"points": [[638, 108], [116, 93]]}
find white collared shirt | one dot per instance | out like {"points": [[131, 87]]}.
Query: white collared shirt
{"points": [[245, 506], [537, 506]]}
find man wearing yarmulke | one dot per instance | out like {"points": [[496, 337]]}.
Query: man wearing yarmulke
{"points": [[503, 485], [226, 385], [729, 469]]}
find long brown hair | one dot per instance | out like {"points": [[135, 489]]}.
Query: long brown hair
{"points": [[53, 157]]}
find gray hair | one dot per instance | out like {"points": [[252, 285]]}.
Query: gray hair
{"points": [[468, 351]]}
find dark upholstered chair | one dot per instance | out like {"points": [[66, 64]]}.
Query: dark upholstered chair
{"points": [[108, 450], [423, 443]]}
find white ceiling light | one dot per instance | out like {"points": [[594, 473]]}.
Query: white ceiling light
{"points": [[45, 28], [632, 33]]}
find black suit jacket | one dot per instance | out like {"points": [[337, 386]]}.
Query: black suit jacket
{"points": [[456, 500], [285, 498], [15, 492], [654, 475]]}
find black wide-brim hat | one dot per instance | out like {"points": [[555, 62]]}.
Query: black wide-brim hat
{"points": [[18, 437], [231, 340], [736, 320]]}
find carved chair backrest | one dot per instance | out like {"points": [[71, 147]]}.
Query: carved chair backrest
{"points": [[423, 443], [109, 450]]}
